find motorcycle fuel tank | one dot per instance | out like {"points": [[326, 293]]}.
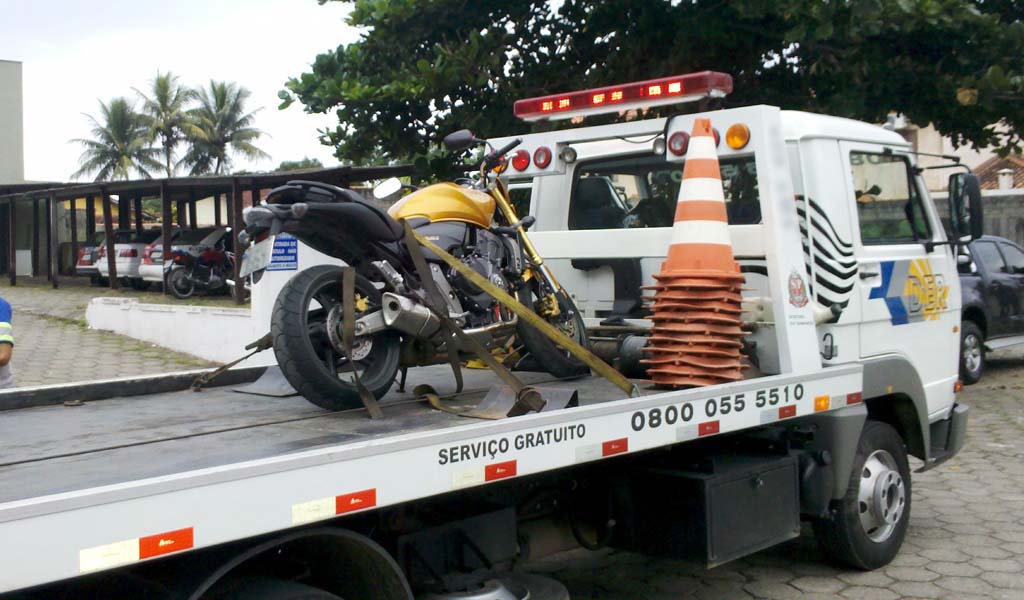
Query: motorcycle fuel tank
{"points": [[446, 202]]}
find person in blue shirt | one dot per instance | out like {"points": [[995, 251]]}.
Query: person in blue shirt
{"points": [[6, 345]]}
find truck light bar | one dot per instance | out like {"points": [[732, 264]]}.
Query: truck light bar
{"points": [[639, 94]]}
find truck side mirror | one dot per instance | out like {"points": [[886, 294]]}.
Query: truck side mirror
{"points": [[965, 213], [460, 140]]}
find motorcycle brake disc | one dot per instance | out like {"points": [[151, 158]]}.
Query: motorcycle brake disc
{"points": [[361, 345]]}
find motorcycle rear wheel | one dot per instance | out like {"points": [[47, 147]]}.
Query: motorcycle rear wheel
{"points": [[550, 356], [303, 348], [179, 284]]}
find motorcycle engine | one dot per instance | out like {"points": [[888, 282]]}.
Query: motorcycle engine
{"points": [[487, 258]]}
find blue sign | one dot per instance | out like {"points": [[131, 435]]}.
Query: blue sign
{"points": [[286, 254]]}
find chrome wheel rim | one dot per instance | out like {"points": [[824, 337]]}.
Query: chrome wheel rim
{"points": [[882, 497], [972, 352]]}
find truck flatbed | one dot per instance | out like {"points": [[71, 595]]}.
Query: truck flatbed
{"points": [[55, 449], [114, 481]]}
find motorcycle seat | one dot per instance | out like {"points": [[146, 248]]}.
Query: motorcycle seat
{"points": [[377, 222]]}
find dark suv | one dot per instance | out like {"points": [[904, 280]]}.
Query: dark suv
{"points": [[992, 289]]}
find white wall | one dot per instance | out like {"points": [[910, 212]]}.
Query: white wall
{"points": [[212, 333], [12, 151]]}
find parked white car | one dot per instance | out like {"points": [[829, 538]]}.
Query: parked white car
{"points": [[192, 241], [88, 254], [128, 249]]}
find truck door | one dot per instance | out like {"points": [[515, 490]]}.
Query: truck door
{"points": [[904, 288]]}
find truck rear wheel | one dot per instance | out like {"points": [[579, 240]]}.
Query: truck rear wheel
{"points": [[866, 528], [972, 352], [267, 588]]}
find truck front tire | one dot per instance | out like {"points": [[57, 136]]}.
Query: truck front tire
{"points": [[972, 352], [865, 529]]}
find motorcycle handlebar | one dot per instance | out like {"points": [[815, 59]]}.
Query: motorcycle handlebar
{"points": [[492, 159]]}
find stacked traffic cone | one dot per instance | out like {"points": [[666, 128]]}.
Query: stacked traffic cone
{"points": [[696, 339]]}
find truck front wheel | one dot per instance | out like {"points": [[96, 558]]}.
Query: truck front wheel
{"points": [[865, 529], [972, 352]]}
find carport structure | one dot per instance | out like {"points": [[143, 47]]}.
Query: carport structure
{"points": [[181, 192]]}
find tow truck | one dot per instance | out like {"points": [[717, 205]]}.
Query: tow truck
{"points": [[144, 489]]}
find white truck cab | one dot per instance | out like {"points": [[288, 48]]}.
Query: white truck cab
{"points": [[829, 219]]}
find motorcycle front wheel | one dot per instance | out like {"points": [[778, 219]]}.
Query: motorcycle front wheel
{"points": [[307, 305], [550, 356], [179, 284]]}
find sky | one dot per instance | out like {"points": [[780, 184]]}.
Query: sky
{"points": [[75, 52]]}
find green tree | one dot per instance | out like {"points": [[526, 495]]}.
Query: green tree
{"points": [[120, 146], [305, 163], [424, 68], [219, 126], [165, 112]]}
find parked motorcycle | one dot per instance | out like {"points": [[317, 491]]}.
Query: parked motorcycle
{"points": [[394, 327], [211, 270]]}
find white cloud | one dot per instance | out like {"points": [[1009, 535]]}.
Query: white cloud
{"points": [[75, 53]]}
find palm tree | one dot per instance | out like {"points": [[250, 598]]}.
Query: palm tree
{"points": [[120, 144], [219, 126], [165, 113]]}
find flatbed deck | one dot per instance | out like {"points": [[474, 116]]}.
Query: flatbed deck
{"points": [[119, 480], [54, 449]]}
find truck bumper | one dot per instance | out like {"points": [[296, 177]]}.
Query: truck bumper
{"points": [[947, 436]]}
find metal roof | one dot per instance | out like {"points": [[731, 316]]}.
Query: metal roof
{"points": [[201, 186]]}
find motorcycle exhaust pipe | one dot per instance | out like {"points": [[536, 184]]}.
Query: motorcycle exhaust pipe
{"points": [[409, 316]]}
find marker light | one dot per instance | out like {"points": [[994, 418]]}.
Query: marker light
{"points": [[737, 136], [568, 154], [542, 157], [646, 94], [521, 160], [678, 143], [659, 146]]}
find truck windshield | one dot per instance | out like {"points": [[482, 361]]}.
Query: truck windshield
{"points": [[642, 191]]}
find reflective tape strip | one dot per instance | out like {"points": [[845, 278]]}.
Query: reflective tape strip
{"points": [[7, 338], [702, 146], [332, 506], [701, 188], [701, 232], [704, 168], [701, 210], [615, 446], [126, 552]]}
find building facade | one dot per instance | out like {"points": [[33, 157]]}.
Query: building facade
{"points": [[12, 134]]}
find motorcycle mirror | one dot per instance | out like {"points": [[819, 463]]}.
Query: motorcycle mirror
{"points": [[388, 187], [460, 140]]}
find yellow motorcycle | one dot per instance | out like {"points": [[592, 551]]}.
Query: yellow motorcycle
{"points": [[395, 323]]}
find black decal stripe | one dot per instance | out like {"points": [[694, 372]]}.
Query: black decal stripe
{"points": [[828, 285], [843, 274], [817, 209], [846, 264]]}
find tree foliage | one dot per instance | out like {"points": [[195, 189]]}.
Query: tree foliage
{"points": [[165, 112], [120, 145], [218, 127], [424, 68], [296, 165]]}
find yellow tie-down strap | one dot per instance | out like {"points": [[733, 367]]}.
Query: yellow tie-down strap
{"points": [[599, 366]]}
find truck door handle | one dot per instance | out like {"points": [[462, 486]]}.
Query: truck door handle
{"points": [[869, 274]]}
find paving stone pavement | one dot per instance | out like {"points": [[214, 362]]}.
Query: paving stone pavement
{"points": [[965, 542], [51, 350], [37, 297], [55, 346]]}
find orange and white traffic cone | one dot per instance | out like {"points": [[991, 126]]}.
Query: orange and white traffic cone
{"points": [[696, 338]]}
